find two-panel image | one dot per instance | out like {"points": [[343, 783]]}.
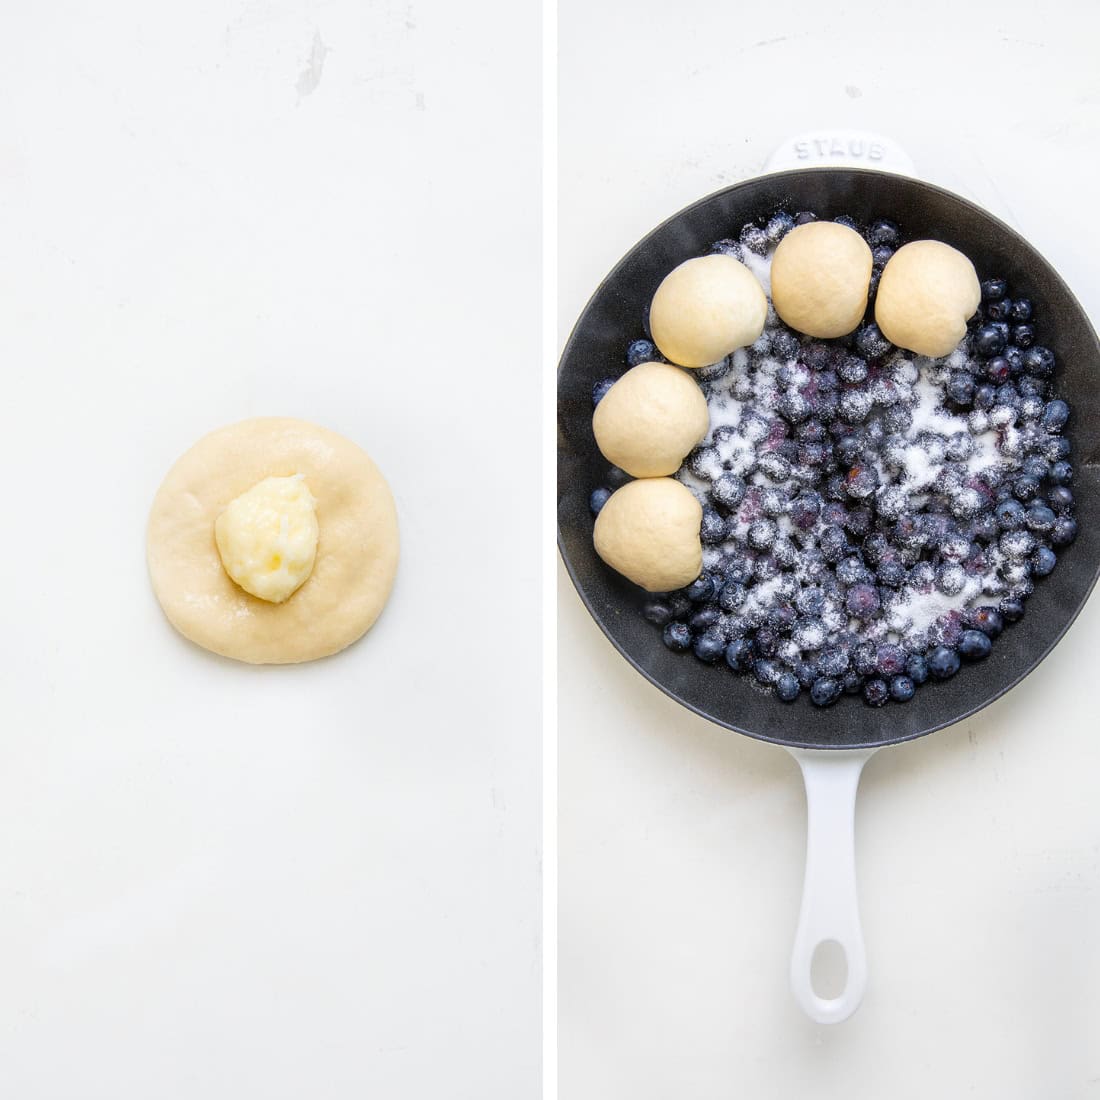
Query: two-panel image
{"points": [[322, 776]]}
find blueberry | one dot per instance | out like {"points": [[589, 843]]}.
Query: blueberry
{"points": [[998, 312], [1021, 309], [1012, 609], [989, 341], [855, 405], [1010, 515], [1039, 361], [951, 578], [787, 687], [943, 662], [714, 528], [916, 668], [774, 466], [714, 371], [974, 645], [986, 619], [597, 499], [709, 647], [876, 692], [861, 482], [1055, 415], [998, 370], [902, 689], [677, 637], [852, 370], [863, 601], [1023, 336], [884, 232], [1060, 498], [833, 661], [599, 390], [1017, 545], [848, 221], [704, 618], [739, 654], [834, 544], [762, 534], [766, 671], [755, 239], [785, 344], [1065, 531], [803, 217], [880, 257], [657, 612], [985, 395], [993, 290], [891, 573], [851, 682], [779, 225], [825, 690], [641, 351], [732, 596], [1055, 448], [1032, 387], [701, 589], [1043, 562], [680, 605], [889, 659], [1025, 488], [1040, 517], [728, 491], [960, 387], [1061, 473], [870, 343], [1035, 466]]}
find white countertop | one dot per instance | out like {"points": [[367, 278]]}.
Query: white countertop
{"points": [[681, 845], [216, 880]]}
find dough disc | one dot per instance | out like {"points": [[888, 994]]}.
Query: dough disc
{"points": [[356, 552]]}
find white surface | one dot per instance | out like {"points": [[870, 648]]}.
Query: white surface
{"points": [[217, 880], [681, 845]]}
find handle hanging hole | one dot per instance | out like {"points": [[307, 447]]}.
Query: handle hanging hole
{"points": [[829, 970]]}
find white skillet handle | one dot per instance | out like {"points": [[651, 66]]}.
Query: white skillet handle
{"points": [[841, 149], [830, 904]]}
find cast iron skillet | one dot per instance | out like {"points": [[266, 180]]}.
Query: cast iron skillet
{"points": [[615, 315]]}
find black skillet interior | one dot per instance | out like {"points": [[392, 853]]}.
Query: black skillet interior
{"points": [[615, 316]]}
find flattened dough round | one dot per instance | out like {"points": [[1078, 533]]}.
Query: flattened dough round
{"points": [[356, 551]]}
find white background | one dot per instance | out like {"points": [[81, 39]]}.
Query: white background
{"points": [[315, 881], [681, 845]]}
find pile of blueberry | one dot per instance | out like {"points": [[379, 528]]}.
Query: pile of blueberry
{"points": [[820, 536]]}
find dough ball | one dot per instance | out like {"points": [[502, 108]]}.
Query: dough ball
{"points": [[927, 293], [649, 531], [649, 420], [821, 276], [705, 309], [357, 543]]}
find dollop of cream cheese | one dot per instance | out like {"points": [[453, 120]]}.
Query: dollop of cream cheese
{"points": [[267, 537]]}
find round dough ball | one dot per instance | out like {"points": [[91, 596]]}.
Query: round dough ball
{"points": [[821, 276], [649, 531], [357, 543], [927, 293], [649, 420], [706, 308]]}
